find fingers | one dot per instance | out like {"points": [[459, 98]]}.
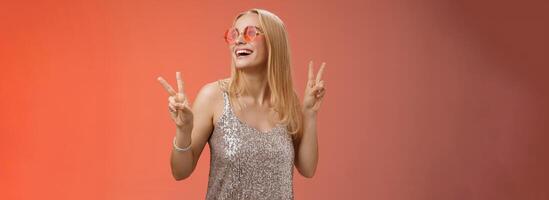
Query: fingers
{"points": [[319, 90], [166, 86], [320, 95], [178, 104], [310, 76], [320, 85], [320, 72], [171, 108], [311, 82], [179, 82], [180, 98], [169, 88]]}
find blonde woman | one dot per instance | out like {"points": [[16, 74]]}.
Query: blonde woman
{"points": [[254, 123]]}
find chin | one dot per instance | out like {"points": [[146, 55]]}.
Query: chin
{"points": [[245, 63]]}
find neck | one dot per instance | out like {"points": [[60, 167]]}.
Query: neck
{"points": [[255, 79]]}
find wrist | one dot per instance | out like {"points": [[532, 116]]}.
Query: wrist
{"points": [[309, 114], [183, 133], [181, 149], [184, 128], [182, 137]]}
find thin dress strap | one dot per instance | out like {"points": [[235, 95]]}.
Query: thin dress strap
{"points": [[223, 86], [226, 104]]}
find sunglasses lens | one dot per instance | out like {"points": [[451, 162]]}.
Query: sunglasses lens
{"points": [[250, 33], [231, 35]]}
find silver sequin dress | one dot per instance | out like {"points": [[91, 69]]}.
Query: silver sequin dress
{"points": [[246, 163]]}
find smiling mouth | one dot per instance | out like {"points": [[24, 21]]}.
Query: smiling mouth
{"points": [[243, 52]]}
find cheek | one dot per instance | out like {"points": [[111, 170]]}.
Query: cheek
{"points": [[261, 47]]}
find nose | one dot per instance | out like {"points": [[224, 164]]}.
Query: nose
{"points": [[240, 39]]}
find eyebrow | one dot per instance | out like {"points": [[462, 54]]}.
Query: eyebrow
{"points": [[250, 25]]}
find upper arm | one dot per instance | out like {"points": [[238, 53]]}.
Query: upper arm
{"points": [[203, 112]]}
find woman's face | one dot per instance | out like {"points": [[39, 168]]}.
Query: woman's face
{"points": [[257, 46]]}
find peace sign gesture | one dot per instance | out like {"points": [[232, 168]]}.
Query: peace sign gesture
{"points": [[315, 90], [178, 105]]}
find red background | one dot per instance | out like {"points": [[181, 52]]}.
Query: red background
{"points": [[425, 99]]}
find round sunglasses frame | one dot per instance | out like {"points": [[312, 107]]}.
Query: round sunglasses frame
{"points": [[248, 36]]}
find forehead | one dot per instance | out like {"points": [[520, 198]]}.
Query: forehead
{"points": [[249, 19]]}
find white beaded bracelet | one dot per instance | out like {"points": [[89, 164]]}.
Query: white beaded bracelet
{"points": [[180, 149]]}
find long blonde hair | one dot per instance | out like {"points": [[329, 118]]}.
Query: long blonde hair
{"points": [[279, 76]]}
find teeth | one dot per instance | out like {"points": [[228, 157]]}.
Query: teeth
{"points": [[243, 51]]}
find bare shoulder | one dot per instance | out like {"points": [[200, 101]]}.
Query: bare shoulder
{"points": [[210, 98], [210, 92]]}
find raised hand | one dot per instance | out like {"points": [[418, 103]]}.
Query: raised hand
{"points": [[315, 90], [178, 104]]}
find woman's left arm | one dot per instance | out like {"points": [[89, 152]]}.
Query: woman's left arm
{"points": [[307, 147]]}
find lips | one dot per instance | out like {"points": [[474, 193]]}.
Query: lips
{"points": [[240, 52]]}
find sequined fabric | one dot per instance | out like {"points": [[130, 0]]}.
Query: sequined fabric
{"points": [[246, 163]]}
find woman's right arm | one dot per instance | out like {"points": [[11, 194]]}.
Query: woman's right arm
{"points": [[192, 127], [184, 163]]}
